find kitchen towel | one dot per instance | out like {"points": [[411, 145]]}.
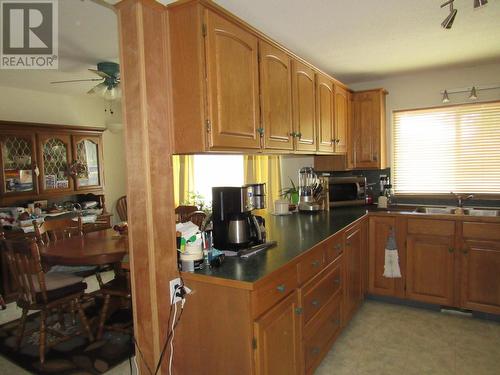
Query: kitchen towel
{"points": [[391, 266]]}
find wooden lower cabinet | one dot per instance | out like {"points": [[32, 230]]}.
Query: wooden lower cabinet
{"points": [[380, 228], [480, 278], [353, 294], [277, 339]]}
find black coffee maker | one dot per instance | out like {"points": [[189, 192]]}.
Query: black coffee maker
{"points": [[234, 226]]}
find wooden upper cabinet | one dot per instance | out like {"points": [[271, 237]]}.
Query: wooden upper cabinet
{"points": [[304, 107], [276, 97], [55, 158], [325, 113], [18, 163], [430, 261], [341, 119], [233, 84], [368, 130]]}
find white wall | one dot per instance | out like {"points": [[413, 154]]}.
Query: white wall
{"points": [[290, 165], [420, 90], [42, 107]]}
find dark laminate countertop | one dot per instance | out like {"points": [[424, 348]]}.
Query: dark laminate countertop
{"points": [[294, 233]]}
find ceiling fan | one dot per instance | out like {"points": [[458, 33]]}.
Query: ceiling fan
{"points": [[109, 87]]}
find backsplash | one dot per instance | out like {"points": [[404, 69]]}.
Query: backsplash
{"points": [[373, 176]]}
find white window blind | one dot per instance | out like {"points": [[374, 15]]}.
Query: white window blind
{"points": [[455, 148]]}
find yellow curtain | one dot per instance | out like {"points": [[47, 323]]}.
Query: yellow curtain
{"points": [[264, 168], [183, 168]]}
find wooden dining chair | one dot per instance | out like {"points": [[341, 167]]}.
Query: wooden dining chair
{"points": [[118, 288], [43, 292], [196, 217], [183, 212], [121, 208]]}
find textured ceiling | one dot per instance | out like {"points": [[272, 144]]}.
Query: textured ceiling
{"points": [[357, 40]]}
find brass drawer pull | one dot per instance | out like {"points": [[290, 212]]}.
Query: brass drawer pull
{"points": [[451, 250], [338, 246], [298, 310], [316, 263], [281, 288], [337, 280], [315, 302], [315, 350]]}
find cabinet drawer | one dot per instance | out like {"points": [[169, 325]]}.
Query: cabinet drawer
{"points": [[311, 264], [481, 231], [431, 227], [273, 290], [317, 295], [322, 331], [334, 248]]}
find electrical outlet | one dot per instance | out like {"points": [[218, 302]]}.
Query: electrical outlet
{"points": [[173, 284]]}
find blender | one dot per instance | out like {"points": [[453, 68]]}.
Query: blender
{"points": [[308, 186]]}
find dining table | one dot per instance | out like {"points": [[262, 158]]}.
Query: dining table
{"points": [[94, 248]]}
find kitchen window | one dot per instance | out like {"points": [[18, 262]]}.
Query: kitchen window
{"points": [[453, 148]]}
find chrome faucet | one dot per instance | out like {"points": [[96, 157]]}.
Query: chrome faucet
{"points": [[460, 199]]}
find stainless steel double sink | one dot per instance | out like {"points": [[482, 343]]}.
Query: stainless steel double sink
{"points": [[469, 211]]}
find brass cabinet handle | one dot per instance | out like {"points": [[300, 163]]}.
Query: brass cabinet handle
{"points": [[315, 350], [465, 251], [337, 280], [293, 134], [281, 288], [316, 263], [337, 246], [260, 131], [299, 135], [337, 141], [298, 310], [451, 250], [315, 302]]}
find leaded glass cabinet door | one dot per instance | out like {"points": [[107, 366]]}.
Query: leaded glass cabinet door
{"points": [[87, 161], [18, 165], [55, 158]]}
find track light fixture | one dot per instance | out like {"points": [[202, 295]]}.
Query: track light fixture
{"points": [[446, 99], [480, 3], [448, 21], [471, 90], [473, 94]]}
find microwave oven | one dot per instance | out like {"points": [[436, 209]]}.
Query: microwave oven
{"points": [[346, 191]]}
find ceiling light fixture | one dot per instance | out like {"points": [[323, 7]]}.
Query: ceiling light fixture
{"points": [[471, 90], [448, 21], [480, 3], [473, 94], [446, 99]]}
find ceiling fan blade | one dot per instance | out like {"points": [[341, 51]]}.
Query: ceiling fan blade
{"points": [[79, 80], [98, 88], [100, 73]]}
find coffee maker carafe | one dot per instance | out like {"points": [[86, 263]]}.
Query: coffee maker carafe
{"points": [[234, 226]]}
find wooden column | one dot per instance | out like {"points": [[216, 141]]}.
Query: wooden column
{"points": [[148, 145]]}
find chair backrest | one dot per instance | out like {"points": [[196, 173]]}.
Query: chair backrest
{"points": [[23, 259], [196, 217], [183, 212], [121, 208], [54, 230]]}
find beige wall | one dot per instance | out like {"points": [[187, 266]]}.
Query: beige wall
{"points": [[290, 165], [423, 89], [42, 107]]}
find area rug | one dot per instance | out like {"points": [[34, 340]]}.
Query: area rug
{"points": [[74, 356]]}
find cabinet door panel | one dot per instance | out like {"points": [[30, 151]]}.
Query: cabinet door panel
{"points": [[233, 84], [304, 112], [276, 97], [326, 115], [380, 229], [430, 268], [87, 153], [278, 339], [55, 158], [341, 120], [353, 279], [481, 276], [18, 163]]}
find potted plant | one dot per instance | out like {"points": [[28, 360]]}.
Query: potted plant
{"points": [[291, 193]]}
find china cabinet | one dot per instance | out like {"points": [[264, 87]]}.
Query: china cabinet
{"points": [[39, 161]]}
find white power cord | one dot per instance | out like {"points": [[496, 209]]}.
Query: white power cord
{"points": [[172, 342]]}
